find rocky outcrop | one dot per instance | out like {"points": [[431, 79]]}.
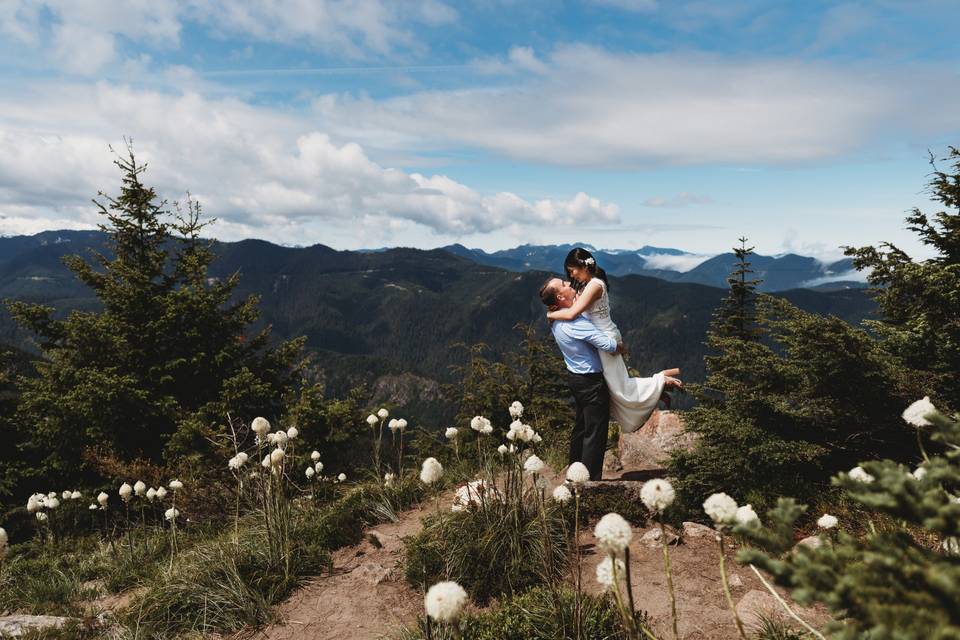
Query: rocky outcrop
{"points": [[649, 447], [18, 625]]}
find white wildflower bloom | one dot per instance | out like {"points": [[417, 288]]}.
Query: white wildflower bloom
{"points": [[402, 424], [476, 422], [516, 410], [487, 428], [721, 508], [276, 457], [444, 601], [292, 433], [310, 473], [657, 494], [280, 439], [746, 516], [41, 516], [533, 464], [858, 474], [66, 494], [176, 485], [920, 473], [265, 463], [233, 463], [536, 438], [827, 521], [125, 491], [502, 449], [171, 514], [388, 479], [451, 433], [92, 507], [315, 456], [393, 425], [318, 467], [382, 414], [577, 474], [605, 573], [430, 471], [140, 488], [372, 420], [342, 477], [242, 458], [3, 539], [52, 494], [916, 414], [161, 493], [260, 426], [561, 494], [52, 503], [76, 495], [613, 533], [102, 499], [271, 438], [151, 494], [474, 495], [33, 504], [950, 546]]}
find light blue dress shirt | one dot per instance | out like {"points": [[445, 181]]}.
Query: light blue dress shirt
{"points": [[579, 340]]}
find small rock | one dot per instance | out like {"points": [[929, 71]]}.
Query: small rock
{"points": [[373, 573], [650, 445], [814, 542], [18, 625], [756, 605], [652, 538], [611, 462], [735, 582], [697, 530]]}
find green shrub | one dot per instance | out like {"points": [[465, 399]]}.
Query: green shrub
{"points": [[491, 551], [537, 614]]}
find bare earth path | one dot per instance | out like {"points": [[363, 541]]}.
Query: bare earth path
{"points": [[365, 598]]}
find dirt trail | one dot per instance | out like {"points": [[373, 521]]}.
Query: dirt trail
{"points": [[366, 597]]}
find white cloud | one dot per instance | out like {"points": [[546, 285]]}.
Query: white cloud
{"points": [[628, 5], [262, 172], [684, 262], [682, 199], [593, 108], [847, 276]]}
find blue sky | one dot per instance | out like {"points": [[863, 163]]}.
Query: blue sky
{"points": [[365, 123]]}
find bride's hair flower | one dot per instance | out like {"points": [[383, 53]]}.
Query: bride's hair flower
{"points": [[577, 474], [613, 533], [916, 414], [430, 471], [657, 494], [589, 261], [444, 601], [721, 508]]}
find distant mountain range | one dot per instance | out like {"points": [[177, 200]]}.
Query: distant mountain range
{"points": [[778, 273], [391, 318]]}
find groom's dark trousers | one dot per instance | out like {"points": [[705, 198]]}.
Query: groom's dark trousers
{"points": [[588, 442]]}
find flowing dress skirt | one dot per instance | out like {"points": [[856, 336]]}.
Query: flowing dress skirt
{"points": [[632, 400]]}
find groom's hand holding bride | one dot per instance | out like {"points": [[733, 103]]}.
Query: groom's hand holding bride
{"points": [[621, 349]]}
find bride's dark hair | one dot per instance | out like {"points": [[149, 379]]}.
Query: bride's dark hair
{"points": [[580, 257]]}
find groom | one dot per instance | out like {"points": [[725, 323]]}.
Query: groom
{"points": [[579, 340]]}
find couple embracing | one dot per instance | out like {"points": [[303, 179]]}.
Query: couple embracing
{"points": [[592, 347]]}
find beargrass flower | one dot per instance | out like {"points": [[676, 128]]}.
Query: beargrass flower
{"points": [[3, 540], [827, 521], [151, 494], [561, 494], [76, 495], [41, 516], [444, 601], [393, 425], [276, 457], [473, 494], [52, 494], [315, 456], [139, 488], [233, 463], [33, 504], [162, 493], [92, 507], [382, 414], [533, 464], [171, 514], [292, 433], [577, 474], [125, 491], [402, 424], [176, 485], [310, 473], [950, 546], [372, 420], [388, 479], [476, 422], [451, 433], [260, 426], [721, 508], [746, 516], [613, 533], [919, 473], [858, 474], [342, 477], [605, 573], [52, 503], [502, 449], [916, 414], [430, 471], [657, 494], [516, 410], [280, 439], [103, 498], [318, 467], [66, 494]]}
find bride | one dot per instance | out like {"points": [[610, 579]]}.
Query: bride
{"points": [[632, 400]]}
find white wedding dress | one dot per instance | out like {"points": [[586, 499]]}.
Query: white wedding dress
{"points": [[632, 400]]}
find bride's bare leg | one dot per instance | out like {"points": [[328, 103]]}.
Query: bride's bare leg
{"points": [[673, 373]]}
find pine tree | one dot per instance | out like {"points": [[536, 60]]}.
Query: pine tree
{"points": [[737, 316], [166, 355], [920, 301]]}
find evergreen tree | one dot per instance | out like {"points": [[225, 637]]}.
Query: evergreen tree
{"points": [[166, 356], [920, 301], [737, 317]]}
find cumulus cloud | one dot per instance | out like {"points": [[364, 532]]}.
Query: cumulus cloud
{"points": [[682, 199], [260, 171], [592, 108]]}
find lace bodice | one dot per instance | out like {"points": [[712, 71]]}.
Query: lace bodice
{"points": [[599, 312]]}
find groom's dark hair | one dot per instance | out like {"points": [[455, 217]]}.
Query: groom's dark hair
{"points": [[548, 292]]}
